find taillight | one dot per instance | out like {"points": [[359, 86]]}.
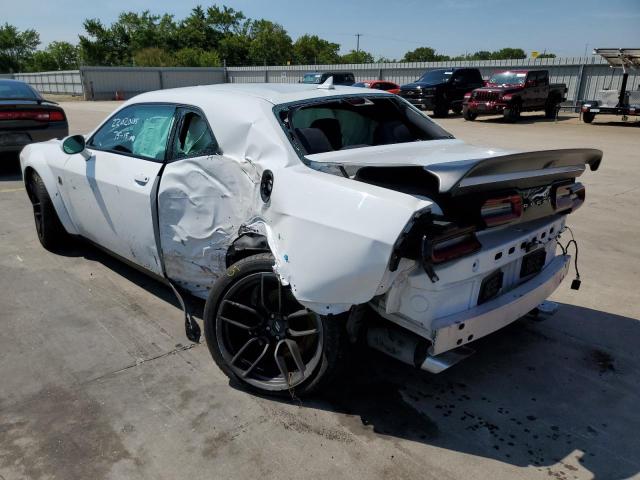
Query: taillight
{"points": [[37, 115], [569, 197], [498, 211], [454, 245], [56, 116]]}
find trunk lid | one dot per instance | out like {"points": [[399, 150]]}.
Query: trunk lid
{"points": [[456, 168]]}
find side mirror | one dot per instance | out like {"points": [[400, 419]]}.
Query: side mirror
{"points": [[74, 144]]}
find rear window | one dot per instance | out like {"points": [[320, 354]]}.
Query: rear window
{"points": [[356, 122], [16, 90], [312, 78]]}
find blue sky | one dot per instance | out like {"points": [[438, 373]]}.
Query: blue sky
{"points": [[388, 28]]}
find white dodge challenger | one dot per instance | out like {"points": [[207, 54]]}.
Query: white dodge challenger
{"points": [[313, 217]]}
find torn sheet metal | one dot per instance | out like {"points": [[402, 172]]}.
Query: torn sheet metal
{"points": [[201, 204]]}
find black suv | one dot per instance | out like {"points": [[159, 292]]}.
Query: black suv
{"points": [[339, 78], [442, 89]]}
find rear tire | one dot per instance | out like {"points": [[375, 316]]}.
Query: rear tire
{"points": [[441, 110], [51, 233], [255, 329], [511, 114], [550, 110], [587, 117]]}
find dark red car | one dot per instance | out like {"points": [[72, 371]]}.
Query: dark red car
{"points": [[379, 85], [514, 91]]}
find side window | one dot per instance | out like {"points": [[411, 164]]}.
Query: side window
{"points": [[543, 78], [476, 77], [458, 77], [193, 138], [138, 130]]}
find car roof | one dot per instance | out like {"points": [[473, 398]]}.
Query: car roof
{"points": [[275, 93], [521, 70]]}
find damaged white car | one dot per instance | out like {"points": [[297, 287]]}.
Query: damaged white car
{"points": [[312, 217]]}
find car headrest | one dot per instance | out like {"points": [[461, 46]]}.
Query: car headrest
{"points": [[331, 128], [313, 140], [392, 132]]}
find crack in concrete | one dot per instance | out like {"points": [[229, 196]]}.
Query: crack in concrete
{"points": [[140, 361]]}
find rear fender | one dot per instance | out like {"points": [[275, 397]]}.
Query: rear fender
{"points": [[33, 158], [332, 237]]}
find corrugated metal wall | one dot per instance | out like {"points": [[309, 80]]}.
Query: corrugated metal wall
{"points": [[595, 73], [584, 76], [105, 83], [64, 82]]}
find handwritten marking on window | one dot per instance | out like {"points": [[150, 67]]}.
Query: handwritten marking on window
{"points": [[124, 136], [124, 122]]}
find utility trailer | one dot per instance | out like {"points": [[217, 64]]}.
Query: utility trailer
{"points": [[610, 102]]}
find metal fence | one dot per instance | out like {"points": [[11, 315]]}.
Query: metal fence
{"points": [[63, 82], [584, 76], [108, 83]]}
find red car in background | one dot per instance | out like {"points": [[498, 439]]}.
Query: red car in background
{"points": [[379, 85]]}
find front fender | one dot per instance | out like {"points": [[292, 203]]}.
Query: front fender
{"points": [[332, 237], [36, 157]]}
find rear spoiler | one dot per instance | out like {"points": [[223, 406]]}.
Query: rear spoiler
{"points": [[519, 170]]}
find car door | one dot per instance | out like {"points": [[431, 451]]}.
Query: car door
{"points": [[203, 198], [458, 86], [110, 188], [543, 88], [531, 90]]}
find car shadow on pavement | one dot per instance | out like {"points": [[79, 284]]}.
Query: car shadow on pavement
{"points": [[79, 247], [525, 120], [10, 167], [532, 395]]}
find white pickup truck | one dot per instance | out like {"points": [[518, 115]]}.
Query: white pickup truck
{"points": [[311, 217]]}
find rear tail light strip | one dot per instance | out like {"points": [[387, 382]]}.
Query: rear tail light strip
{"points": [[498, 211], [37, 115], [449, 246], [569, 197]]}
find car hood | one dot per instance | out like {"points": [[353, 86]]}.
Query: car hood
{"points": [[415, 85], [500, 88]]}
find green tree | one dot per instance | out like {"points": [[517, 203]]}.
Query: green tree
{"points": [[16, 47], [153, 57], [357, 57], [311, 49], [57, 56], [270, 43], [197, 57], [508, 54], [234, 49], [547, 55], [424, 54], [104, 46]]}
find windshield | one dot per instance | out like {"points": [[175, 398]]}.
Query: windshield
{"points": [[16, 90], [356, 122], [508, 78], [311, 78], [435, 77]]}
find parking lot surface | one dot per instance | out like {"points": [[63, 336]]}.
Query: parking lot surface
{"points": [[97, 380]]}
